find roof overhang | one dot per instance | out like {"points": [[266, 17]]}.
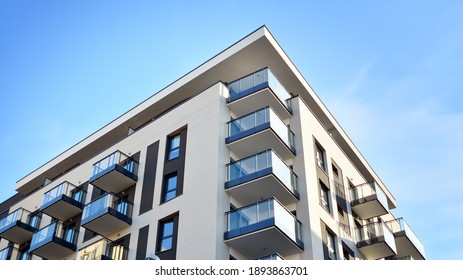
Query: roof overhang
{"points": [[257, 50]]}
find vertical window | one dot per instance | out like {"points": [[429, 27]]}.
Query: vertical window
{"points": [[173, 147], [34, 220], [320, 155], [331, 246], [325, 197], [335, 170], [169, 190], [166, 235]]}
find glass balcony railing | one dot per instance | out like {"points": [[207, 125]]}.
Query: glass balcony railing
{"points": [[272, 257], [103, 249], [117, 158], [11, 253], [261, 215], [107, 203], [376, 241], [257, 81], [257, 121], [20, 216], [399, 225], [258, 165], [368, 189], [368, 200], [55, 232], [67, 189]]}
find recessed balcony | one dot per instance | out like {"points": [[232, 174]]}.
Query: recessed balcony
{"points": [[11, 253], [115, 172], [103, 249], [376, 241], [260, 176], [259, 130], [54, 242], [407, 243], [19, 226], [64, 201], [7, 253], [368, 200], [250, 93], [266, 227], [108, 214]]}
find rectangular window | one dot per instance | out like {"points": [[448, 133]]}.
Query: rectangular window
{"points": [[325, 197], [335, 170], [320, 156], [331, 245], [166, 235], [173, 147], [169, 190]]}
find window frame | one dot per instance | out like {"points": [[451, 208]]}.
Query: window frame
{"points": [[325, 202], [165, 187], [320, 157], [163, 236], [331, 249], [173, 152]]}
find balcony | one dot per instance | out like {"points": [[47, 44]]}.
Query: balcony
{"points": [[368, 201], [107, 215], [260, 130], [376, 241], [263, 228], [261, 176], [115, 173], [11, 253], [19, 226], [64, 201], [103, 249], [407, 243], [258, 89], [54, 241], [272, 257]]}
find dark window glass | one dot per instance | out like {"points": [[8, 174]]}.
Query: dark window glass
{"points": [[167, 234], [320, 155], [325, 197], [170, 187], [173, 148], [331, 246]]}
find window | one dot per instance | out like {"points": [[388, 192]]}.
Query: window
{"points": [[320, 155], [325, 197], [169, 190], [330, 244], [166, 235], [34, 220], [335, 170], [173, 147]]}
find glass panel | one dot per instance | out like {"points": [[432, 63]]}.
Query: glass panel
{"points": [[170, 195], [260, 77], [278, 88], [166, 244], [234, 87], [168, 229], [247, 82], [11, 218], [171, 183], [78, 195]]}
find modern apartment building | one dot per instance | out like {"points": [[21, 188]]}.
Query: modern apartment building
{"points": [[238, 159]]}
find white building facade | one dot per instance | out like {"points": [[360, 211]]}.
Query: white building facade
{"points": [[238, 159]]}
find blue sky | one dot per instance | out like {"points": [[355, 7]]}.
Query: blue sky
{"points": [[389, 71]]}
